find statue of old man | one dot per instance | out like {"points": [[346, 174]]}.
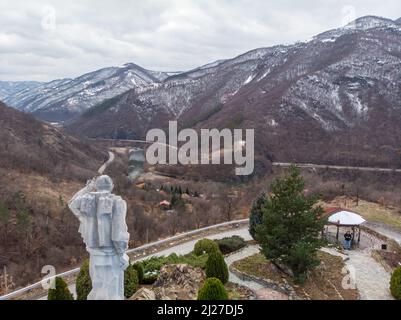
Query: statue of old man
{"points": [[104, 231]]}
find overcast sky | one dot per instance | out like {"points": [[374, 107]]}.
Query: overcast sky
{"points": [[46, 40]]}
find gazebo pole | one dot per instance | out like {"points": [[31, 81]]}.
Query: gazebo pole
{"points": [[359, 234], [338, 231]]}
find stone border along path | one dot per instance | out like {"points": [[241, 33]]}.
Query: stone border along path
{"points": [[261, 289]]}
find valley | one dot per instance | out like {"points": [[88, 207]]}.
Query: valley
{"points": [[331, 105]]}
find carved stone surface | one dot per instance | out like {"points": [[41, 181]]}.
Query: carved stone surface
{"points": [[104, 231]]}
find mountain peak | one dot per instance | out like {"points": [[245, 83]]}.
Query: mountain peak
{"points": [[398, 21], [369, 22]]}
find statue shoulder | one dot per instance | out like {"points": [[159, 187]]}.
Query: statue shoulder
{"points": [[120, 204], [118, 199]]}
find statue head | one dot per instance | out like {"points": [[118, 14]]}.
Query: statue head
{"points": [[104, 184]]}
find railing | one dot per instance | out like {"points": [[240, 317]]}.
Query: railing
{"points": [[38, 284]]}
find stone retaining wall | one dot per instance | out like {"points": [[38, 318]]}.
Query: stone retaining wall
{"points": [[283, 288]]}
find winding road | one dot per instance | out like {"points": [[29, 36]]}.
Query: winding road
{"points": [[107, 163]]}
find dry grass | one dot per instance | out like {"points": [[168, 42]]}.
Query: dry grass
{"points": [[389, 260], [324, 283], [371, 211]]}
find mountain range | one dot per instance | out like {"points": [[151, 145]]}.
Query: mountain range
{"points": [[335, 98], [62, 99], [9, 88]]}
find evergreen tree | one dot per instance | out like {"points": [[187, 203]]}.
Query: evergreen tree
{"points": [[205, 246], [83, 282], [5, 219], [255, 217], [216, 267], [213, 289], [139, 270], [290, 227], [130, 281], [23, 221], [60, 292]]}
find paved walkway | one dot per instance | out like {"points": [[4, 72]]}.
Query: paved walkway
{"points": [[323, 166], [371, 279]]}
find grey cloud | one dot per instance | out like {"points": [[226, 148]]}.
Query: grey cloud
{"points": [[159, 34]]}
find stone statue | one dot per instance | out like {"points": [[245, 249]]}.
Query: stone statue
{"points": [[104, 231]]}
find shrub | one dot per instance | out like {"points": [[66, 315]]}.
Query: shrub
{"points": [[139, 270], [213, 289], [256, 215], [149, 278], [205, 246], [60, 292], [230, 244], [130, 281], [84, 282], [216, 267], [154, 264], [395, 283]]}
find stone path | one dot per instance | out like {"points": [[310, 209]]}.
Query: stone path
{"points": [[371, 279]]}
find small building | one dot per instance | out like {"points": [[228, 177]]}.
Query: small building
{"points": [[165, 205]]}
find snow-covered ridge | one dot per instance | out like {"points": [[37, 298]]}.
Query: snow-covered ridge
{"points": [[79, 94], [369, 22], [362, 24], [8, 88], [205, 87]]}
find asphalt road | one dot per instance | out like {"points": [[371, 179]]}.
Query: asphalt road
{"points": [[323, 166]]}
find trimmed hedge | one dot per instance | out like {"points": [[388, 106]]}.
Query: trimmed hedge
{"points": [[213, 289], [60, 292], [216, 267], [205, 246], [395, 283], [230, 244]]}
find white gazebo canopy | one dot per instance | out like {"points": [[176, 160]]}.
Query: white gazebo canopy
{"points": [[346, 218]]}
